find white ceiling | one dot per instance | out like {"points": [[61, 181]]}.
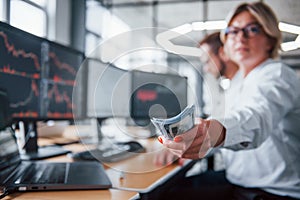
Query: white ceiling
{"points": [[173, 13]]}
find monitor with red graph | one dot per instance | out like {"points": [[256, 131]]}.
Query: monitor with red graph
{"points": [[157, 95]]}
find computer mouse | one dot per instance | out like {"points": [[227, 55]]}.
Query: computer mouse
{"points": [[134, 146]]}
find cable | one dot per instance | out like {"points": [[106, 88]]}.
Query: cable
{"points": [[7, 191]]}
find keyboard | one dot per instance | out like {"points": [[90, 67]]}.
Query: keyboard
{"points": [[38, 173], [113, 153]]}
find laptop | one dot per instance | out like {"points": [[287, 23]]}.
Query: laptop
{"points": [[43, 175]]}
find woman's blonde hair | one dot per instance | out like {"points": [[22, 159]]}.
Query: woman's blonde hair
{"points": [[265, 17]]}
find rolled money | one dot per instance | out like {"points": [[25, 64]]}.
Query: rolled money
{"points": [[176, 125]]}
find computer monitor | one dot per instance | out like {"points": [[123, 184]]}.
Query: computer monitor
{"points": [[157, 95], [32, 72], [63, 64], [20, 71], [5, 115], [108, 90]]}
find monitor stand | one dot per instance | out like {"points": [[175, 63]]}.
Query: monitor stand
{"points": [[32, 150], [99, 131]]}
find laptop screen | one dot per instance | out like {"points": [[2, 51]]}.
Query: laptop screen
{"points": [[9, 153]]}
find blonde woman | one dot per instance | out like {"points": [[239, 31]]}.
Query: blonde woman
{"points": [[260, 134]]}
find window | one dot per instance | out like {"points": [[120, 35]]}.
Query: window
{"points": [[105, 23], [100, 24], [30, 16], [2, 11]]}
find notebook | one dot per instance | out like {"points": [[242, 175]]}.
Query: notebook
{"points": [[43, 175]]}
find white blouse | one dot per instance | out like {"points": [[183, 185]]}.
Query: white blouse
{"points": [[262, 144]]}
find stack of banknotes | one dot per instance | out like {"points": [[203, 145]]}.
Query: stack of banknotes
{"points": [[176, 125]]}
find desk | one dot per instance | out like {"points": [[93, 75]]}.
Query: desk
{"points": [[139, 176], [73, 195]]}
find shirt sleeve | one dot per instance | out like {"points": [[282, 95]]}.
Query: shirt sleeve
{"points": [[267, 96]]}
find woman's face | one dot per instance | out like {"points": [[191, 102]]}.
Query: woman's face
{"points": [[246, 42]]}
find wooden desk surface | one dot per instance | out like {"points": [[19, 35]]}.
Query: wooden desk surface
{"points": [[73, 195], [128, 177]]}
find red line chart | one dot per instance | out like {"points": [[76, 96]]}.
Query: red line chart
{"points": [[8, 70], [61, 65], [20, 52], [34, 92], [58, 97]]}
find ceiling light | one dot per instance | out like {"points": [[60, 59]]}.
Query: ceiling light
{"points": [[289, 28], [289, 46], [215, 25], [209, 25], [183, 29], [198, 26], [164, 39], [298, 39]]}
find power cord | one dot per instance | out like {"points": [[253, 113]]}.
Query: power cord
{"points": [[7, 191]]}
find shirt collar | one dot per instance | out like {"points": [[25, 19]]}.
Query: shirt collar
{"points": [[258, 68]]}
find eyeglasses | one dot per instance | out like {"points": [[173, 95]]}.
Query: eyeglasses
{"points": [[249, 31]]}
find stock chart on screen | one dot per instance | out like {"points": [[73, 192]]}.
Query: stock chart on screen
{"points": [[20, 71], [63, 66], [38, 75]]}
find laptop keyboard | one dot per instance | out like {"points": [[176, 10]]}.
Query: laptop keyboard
{"points": [[38, 173]]}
